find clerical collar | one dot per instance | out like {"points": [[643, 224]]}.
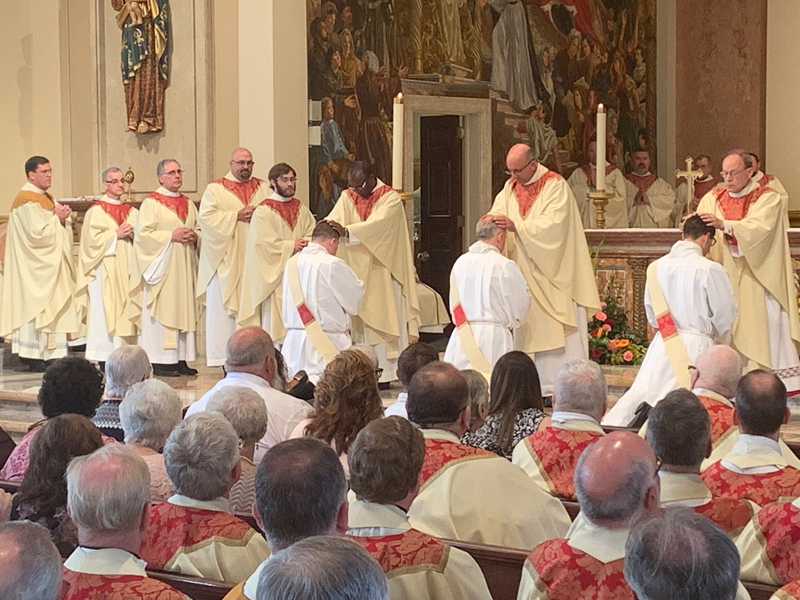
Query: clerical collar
{"points": [[758, 176], [637, 175], [540, 170], [29, 187], [165, 192], [230, 177], [751, 185], [105, 198], [481, 247], [276, 196], [314, 248], [704, 179]]}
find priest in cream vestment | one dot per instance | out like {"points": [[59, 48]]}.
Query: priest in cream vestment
{"points": [[38, 310], [226, 208], [105, 263], [547, 242], [652, 200], [378, 248], [584, 180], [281, 226], [165, 243], [753, 246]]}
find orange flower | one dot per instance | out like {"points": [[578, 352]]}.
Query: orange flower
{"points": [[598, 333], [628, 356], [601, 316], [623, 343], [613, 344]]}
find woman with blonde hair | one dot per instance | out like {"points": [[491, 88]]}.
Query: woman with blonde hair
{"points": [[345, 400]]}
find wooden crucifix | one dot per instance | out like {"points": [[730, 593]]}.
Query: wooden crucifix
{"points": [[689, 175]]}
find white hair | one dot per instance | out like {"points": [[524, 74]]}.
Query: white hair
{"points": [[580, 386], [161, 167], [254, 352], [124, 367], [478, 390], [107, 490], [110, 170], [200, 454], [149, 412], [486, 229], [244, 408], [720, 369], [35, 570], [369, 352]]}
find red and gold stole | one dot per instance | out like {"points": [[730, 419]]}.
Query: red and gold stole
{"points": [[701, 188], [243, 190], [411, 548], [441, 454], [527, 194], [642, 183], [173, 528], [766, 180], [761, 488], [85, 586], [287, 210], [735, 209], [178, 204], [569, 573], [590, 173], [44, 200], [363, 205], [779, 525], [721, 417], [118, 212], [731, 514], [556, 453]]}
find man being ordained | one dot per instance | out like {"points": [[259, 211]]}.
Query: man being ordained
{"points": [[651, 198], [378, 248], [753, 247], [584, 180], [226, 208], [37, 300], [547, 242], [280, 227], [165, 243], [768, 180], [702, 186], [105, 262]]}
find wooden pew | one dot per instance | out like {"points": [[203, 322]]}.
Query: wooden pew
{"points": [[502, 567], [12, 487], [759, 591], [194, 587]]}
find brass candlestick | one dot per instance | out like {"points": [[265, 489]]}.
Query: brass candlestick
{"points": [[129, 178], [600, 200], [405, 196]]}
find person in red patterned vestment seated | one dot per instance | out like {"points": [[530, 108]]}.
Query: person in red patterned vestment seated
{"points": [[616, 480], [466, 493], [108, 500], [385, 461], [754, 469], [194, 532], [549, 455], [30, 566], [678, 431]]}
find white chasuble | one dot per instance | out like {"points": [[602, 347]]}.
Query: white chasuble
{"points": [[583, 180]]}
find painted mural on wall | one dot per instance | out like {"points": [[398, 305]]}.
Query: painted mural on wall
{"points": [[546, 63]]}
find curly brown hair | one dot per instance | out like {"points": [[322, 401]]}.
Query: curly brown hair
{"points": [[346, 398]]}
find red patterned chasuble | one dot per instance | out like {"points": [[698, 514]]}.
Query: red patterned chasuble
{"points": [[363, 205], [118, 212], [779, 525], [556, 453], [642, 183], [569, 574], [721, 417], [732, 515], [174, 530], [527, 194], [762, 489], [441, 454], [287, 210], [178, 204], [766, 180], [735, 209], [243, 190], [85, 586], [701, 188], [789, 592], [411, 548]]}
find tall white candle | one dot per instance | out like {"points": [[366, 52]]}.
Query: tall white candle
{"points": [[601, 148], [397, 143]]}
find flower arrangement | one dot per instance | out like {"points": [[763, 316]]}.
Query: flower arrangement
{"points": [[610, 340]]}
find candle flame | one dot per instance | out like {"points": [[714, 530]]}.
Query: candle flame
{"points": [[399, 98], [601, 108]]}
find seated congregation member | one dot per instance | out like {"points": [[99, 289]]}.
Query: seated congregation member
{"points": [[71, 385], [194, 532], [42, 496], [466, 493], [251, 363], [478, 398], [515, 406], [30, 566], [754, 469], [489, 300], [385, 461], [616, 483], [124, 367], [346, 398], [149, 412], [678, 431], [549, 455], [107, 499], [678, 553], [301, 492], [245, 410], [323, 568], [411, 360]]}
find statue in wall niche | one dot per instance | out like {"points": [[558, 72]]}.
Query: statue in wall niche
{"points": [[145, 60]]}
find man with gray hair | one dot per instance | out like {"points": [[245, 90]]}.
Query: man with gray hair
{"points": [[30, 566], [125, 366], [165, 247], [107, 500], [489, 300], [478, 398], [251, 363], [105, 259], [323, 568], [616, 482], [194, 532], [549, 455]]}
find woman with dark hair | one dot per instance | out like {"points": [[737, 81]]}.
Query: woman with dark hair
{"points": [[42, 497], [515, 406], [71, 385]]}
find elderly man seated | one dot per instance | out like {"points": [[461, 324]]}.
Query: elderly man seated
{"points": [[466, 493], [194, 532], [30, 566], [616, 482], [124, 367], [385, 462], [755, 469], [679, 432], [549, 455], [107, 500], [478, 398]]}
